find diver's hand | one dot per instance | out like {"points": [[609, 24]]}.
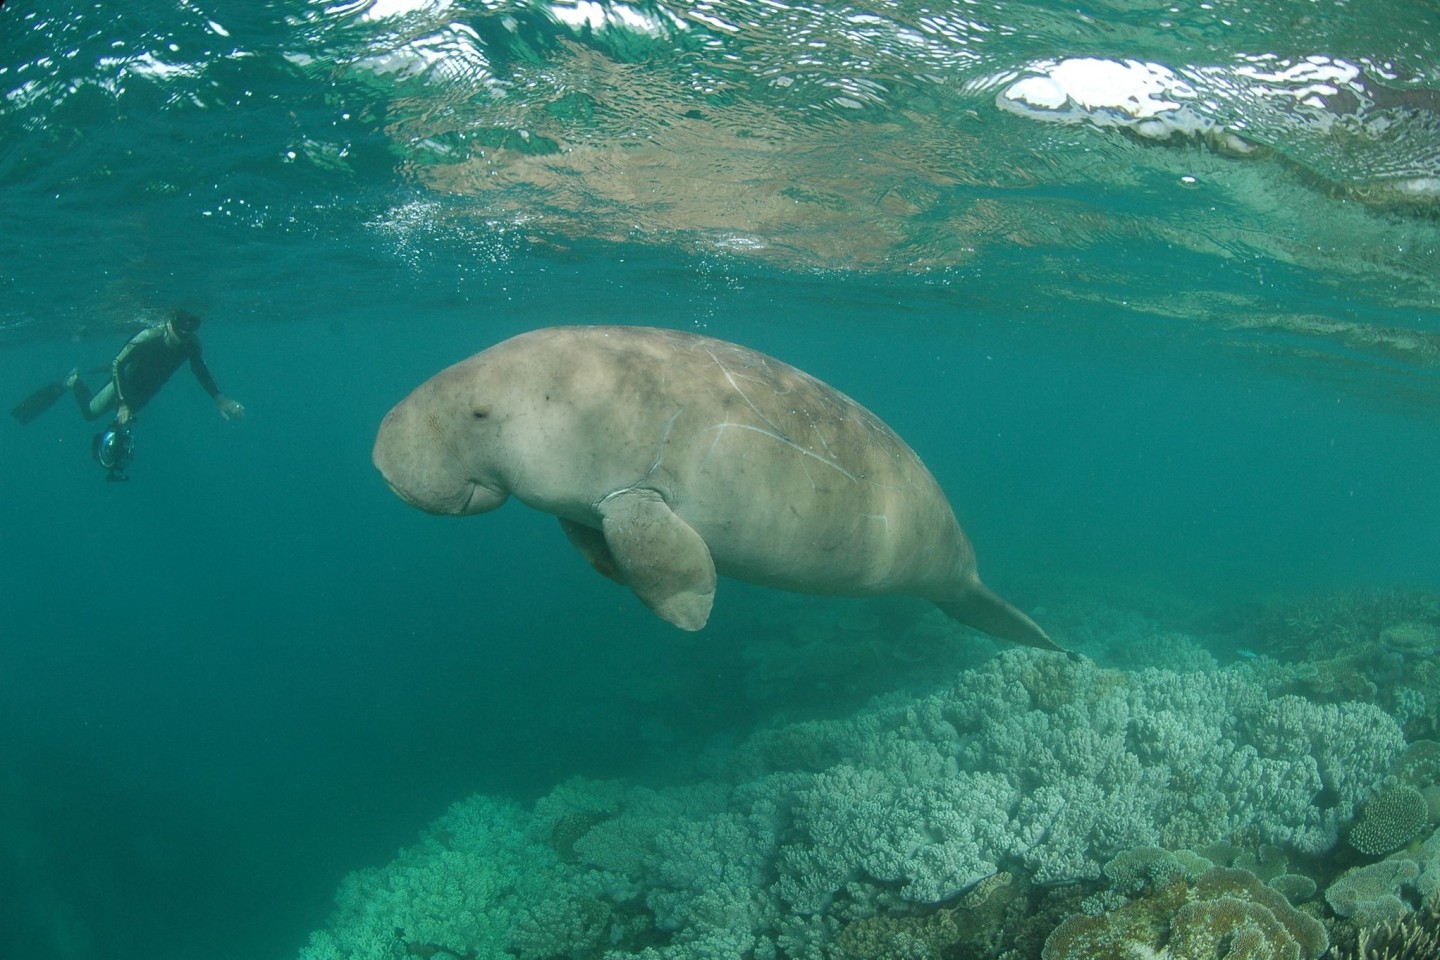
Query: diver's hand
{"points": [[122, 416], [229, 409]]}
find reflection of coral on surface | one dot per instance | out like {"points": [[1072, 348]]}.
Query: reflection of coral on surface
{"points": [[1242, 111]]}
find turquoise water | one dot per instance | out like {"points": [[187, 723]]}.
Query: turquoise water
{"points": [[1178, 359]]}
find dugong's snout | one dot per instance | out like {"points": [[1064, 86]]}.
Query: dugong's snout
{"points": [[423, 468]]}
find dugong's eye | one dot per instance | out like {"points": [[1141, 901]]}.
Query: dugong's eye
{"points": [[480, 413]]}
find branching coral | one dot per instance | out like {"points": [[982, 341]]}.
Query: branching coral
{"points": [[1415, 936], [1390, 819], [455, 893], [1317, 627], [930, 840], [871, 824]]}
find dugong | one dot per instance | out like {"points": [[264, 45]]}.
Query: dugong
{"points": [[670, 457]]}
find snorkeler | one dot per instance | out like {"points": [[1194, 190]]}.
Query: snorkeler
{"points": [[142, 367], [138, 372]]}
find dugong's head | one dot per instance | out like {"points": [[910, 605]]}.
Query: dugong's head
{"points": [[439, 448]]}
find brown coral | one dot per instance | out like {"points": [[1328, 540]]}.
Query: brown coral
{"points": [[570, 829], [1231, 928], [899, 938], [1227, 914], [974, 921]]}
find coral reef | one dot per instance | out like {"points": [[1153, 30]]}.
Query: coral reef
{"points": [[1389, 820], [1375, 645], [1295, 887], [1415, 936], [973, 923], [1372, 894], [1385, 892], [1427, 858], [1267, 862], [1224, 913], [1315, 627], [1132, 871], [969, 820], [1419, 764], [457, 892]]}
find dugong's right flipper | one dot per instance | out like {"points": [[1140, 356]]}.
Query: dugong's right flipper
{"points": [[660, 557]]}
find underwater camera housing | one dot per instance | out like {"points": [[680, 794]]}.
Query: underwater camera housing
{"points": [[113, 449]]}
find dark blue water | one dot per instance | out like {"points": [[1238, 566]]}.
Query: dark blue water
{"points": [[251, 669]]}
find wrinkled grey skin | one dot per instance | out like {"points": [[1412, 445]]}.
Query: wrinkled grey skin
{"points": [[671, 457]]}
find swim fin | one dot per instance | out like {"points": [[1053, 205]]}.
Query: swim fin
{"points": [[38, 402]]}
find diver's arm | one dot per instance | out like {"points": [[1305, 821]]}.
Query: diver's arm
{"points": [[228, 408], [202, 372]]}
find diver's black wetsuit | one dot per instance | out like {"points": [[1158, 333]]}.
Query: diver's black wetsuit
{"points": [[141, 369]]}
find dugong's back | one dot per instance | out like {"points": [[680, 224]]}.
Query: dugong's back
{"points": [[789, 481]]}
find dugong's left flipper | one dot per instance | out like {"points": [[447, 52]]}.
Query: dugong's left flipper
{"points": [[591, 544], [659, 556]]}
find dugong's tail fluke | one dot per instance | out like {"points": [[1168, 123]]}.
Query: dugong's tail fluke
{"points": [[981, 608]]}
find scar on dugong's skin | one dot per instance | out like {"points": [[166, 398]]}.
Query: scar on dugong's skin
{"points": [[671, 457]]}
